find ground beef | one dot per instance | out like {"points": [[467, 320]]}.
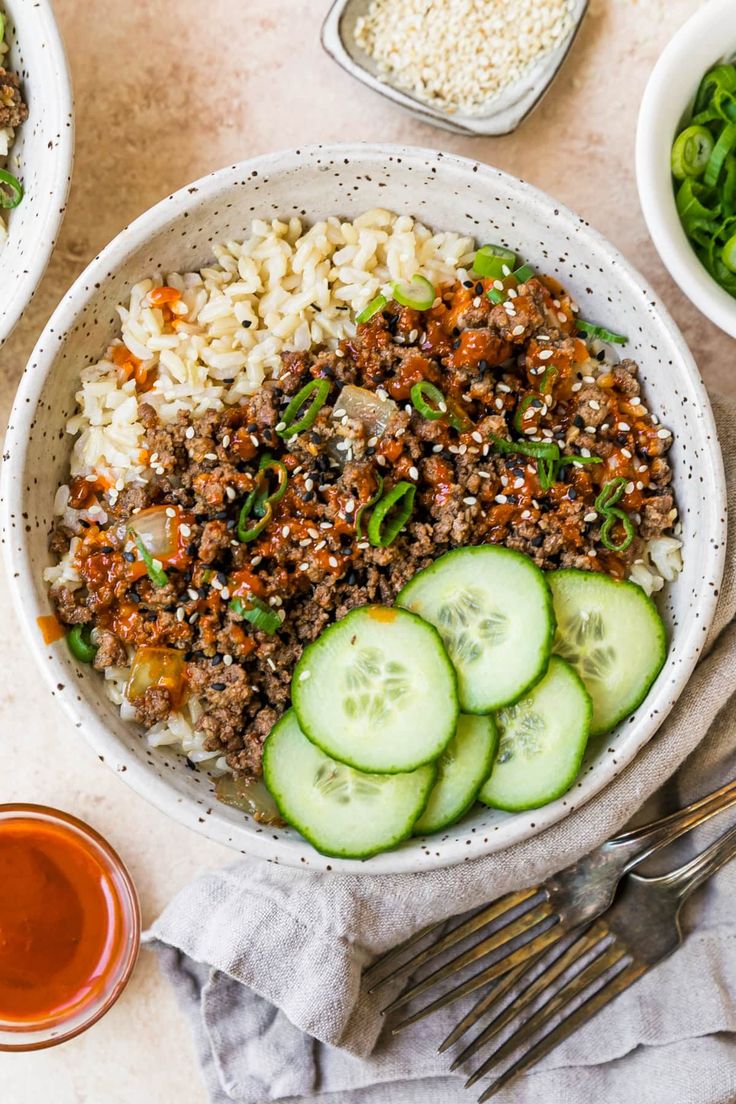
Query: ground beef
{"points": [[13, 111], [306, 564]]}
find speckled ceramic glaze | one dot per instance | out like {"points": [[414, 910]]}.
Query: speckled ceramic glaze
{"points": [[502, 113], [41, 156], [446, 193]]}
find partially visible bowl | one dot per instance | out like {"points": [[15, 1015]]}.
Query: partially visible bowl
{"points": [[443, 192], [41, 156], [707, 38]]}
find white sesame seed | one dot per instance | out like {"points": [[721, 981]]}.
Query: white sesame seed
{"points": [[518, 483], [194, 618], [339, 413], [154, 458], [225, 593], [160, 470], [590, 429], [341, 446], [180, 613], [626, 452], [477, 437], [498, 403], [255, 561], [663, 433], [545, 354], [501, 499], [639, 485], [576, 387], [526, 514], [585, 452], [504, 387], [270, 663], [227, 659], [629, 488], [413, 472], [517, 331], [592, 516], [442, 406], [636, 401], [470, 500], [216, 583], [280, 426], [562, 316], [304, 567], [309, 484], [530, 431], [476, 301], [594, 405], [349, 506], [189, 432], [225, 443], [381, 460], [372, 442], [436, 448], [304, 675], [382, 394], [624, 427], [254, 440], [157, 564], [332, 560], [304, 542], [285, 531]]}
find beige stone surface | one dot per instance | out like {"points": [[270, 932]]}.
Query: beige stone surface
{"points": [[166, 92]]}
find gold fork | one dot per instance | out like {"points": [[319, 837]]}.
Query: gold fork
{"points": [[640, 930], [537, 918]]}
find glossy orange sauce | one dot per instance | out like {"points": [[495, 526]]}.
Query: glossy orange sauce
{"points": [[61, 925]]}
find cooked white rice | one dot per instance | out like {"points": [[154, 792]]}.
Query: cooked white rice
{"points": [[282, 288]]}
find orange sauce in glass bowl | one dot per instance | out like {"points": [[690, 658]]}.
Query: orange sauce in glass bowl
{"points": [[69, 926]]}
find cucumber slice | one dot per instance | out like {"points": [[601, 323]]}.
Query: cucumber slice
{"points": [[377, 691], [341, 811], [542, 743], [461, 771], [493, 610], [614, 637]]}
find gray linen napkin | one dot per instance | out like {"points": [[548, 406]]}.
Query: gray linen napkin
{"points": [[266, 961]]}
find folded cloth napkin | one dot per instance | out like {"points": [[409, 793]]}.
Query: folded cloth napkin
{"points": [[267, 961]]}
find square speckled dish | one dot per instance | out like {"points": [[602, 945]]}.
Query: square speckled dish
{"points": [[502, 114]]}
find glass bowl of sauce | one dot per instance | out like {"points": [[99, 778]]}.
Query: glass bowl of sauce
{"points": [[69, 927]]}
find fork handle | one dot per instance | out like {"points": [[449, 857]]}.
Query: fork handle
{"points": [[640, 843], [687, 878]]}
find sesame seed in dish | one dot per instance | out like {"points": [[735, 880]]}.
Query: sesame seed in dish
{"points": [[457, 54]]}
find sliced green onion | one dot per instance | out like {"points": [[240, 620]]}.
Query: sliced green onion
{"points": [[11, 185], [521, 410], [366, 506], [599, 332], [418, 293], [612, 517], [80, 643], [260, 615], [156, 573], [547, 450], [373, 307], [248, 532], [494, 261], [391, 514], [725, 145], [611, 493], [269, 465], [691, 152], [728, 254], [317, 390], [496, 296], [546, 381], [579, 460], [717, 85], [419, 402], [2, 27], [523, 274]]}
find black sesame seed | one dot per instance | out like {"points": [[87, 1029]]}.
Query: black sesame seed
{"points": [[134, 596], [537, 542], [456, 344], [216, 660], [221, 515], [456, 331], [479, 288], [483, 365], [192, 549], [467, 283], [601, 355], [190, 765], [578, 421], [536, 403], [246, 323], [222, 577], [572, 494], [129, 556], [218, 685], [202, 591], [230, 524], [252, 428], [308, 496]]}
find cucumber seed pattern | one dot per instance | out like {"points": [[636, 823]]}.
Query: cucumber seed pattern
{"points": [[581, 643], [342, 784], [374, 687], [467, 626], [520, 729]]}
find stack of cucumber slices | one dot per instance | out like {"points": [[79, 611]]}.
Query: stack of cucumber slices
{"points": [[484, 683]]}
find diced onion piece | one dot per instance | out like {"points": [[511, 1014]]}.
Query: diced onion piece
{"points": [[366, 407], [158, 532], [250, 796], [157, 667]]}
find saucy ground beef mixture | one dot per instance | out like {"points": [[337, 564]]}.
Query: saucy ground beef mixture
{"points": [[512, 371]]}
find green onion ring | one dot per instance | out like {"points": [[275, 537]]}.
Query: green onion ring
{"points": [[546, 450], [320, 389], [15, 187], [728, 254], [80, 644], [372, 308], [546, 381], [492, 260], [718, 82], [156, 573], [420, 404], [260, 615], [495, 295], [725, 145], [523, 274], [384, 529], [366, 506], [691, 152], [418, 293], [248, 533], [610, 494], [612, 516], [521, 410], [600, 332]]}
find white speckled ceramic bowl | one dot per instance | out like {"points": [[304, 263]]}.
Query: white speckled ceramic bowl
{"points": [[502, 113], [445, 192], [41, 156], [707, 38]]}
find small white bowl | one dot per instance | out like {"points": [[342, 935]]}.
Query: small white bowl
{"points": [[707, 38], [502, 113], [41, 156], [444, 192]]}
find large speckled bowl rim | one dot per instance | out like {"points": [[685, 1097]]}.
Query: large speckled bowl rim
{"points": [[270, 845], [53, 88]]}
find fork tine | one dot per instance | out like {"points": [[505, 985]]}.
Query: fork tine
{"points": [[521, 926], [462, 931], [584, 1012], [557, 967], [522, 955], [608, 957], [496, 992]]}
